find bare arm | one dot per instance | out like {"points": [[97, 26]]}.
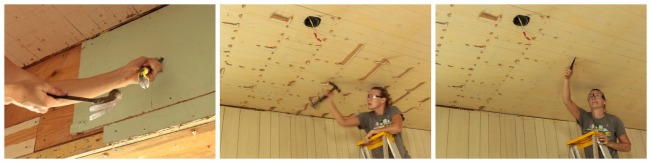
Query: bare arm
{"points": [[394, 128], [567, 96], [624, 144], [351, 121], [27, 90], [97, 85], [17, 80]]}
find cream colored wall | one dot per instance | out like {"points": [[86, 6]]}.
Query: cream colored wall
{"points": [[476, 134], [264, 134]]}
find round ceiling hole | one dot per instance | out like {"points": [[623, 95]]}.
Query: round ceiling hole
{"points": [[521, 20], [312, 21]]}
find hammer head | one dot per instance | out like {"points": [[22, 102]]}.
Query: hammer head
{"points": [[334, 86]]}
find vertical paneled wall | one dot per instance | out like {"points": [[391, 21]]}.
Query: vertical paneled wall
{"points": [[264, 134], [475, 134]]}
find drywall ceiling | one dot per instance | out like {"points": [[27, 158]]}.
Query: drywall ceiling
{"points": [[270, 60], [33, 32], [484, 62], [184, 35]]}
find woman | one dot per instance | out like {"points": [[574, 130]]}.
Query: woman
{"points": [[613, 127], [382, 117]]}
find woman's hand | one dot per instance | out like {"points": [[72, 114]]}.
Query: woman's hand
{"points": [[130, 71], [32, 94], [368, 136]]}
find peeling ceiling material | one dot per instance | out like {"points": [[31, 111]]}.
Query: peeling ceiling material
{"points": [[33, 32], [484, 62], [270, 60]]}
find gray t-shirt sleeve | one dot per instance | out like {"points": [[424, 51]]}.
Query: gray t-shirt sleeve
{"points": [[619, 127], [363, 121], [584, 118], [393, 110]]}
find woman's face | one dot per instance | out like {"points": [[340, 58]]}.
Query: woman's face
{"points": [[595, 99], [375, 99]]}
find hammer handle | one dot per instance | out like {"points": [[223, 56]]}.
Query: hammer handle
{"points": [[72, 98], [321, 99]]}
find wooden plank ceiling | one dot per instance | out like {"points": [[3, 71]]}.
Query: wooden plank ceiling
{"points": [[484, 62], [270, 60], [33, 32]]}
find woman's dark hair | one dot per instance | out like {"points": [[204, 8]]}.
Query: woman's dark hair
{"points": [[385, 94]]}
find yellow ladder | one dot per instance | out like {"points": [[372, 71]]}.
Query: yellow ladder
{"points": [[586, 140], [383, 139]]}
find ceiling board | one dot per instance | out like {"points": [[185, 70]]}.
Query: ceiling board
{"points": [[33, 32], [479, 58], [272, 64]]}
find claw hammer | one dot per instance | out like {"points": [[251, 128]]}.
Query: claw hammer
{"points": [[334, 87]]}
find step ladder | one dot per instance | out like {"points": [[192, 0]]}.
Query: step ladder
{"points": [[384, 140], [586, 140]]}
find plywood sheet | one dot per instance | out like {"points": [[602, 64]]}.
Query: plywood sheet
{"points": [[483, 64], [286, 64], [183, 35], [54, 128]]}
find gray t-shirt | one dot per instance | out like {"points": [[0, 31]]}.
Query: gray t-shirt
{"points": [[369, 121], [612, 126]]}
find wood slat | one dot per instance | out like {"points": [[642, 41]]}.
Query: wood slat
{"points": [[249, 134], [494, 135], [474, 135], [284, 131], [458, 134], [520, 140], [310, 141], [195, 142], [550, 139], [540, 138], [321, 139], [230, 133], [484, 139], [342, 144], [274, 135], [530, 135], [332, 140], [19, 149], [562, 136], [264, 150], [442, 121]]}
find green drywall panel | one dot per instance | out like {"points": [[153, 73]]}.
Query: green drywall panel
{"points": [[159, 119], [183, 34]]}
